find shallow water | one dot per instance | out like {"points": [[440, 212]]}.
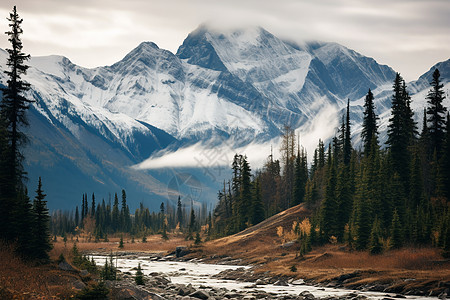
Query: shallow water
{"points": [[200, 274]]}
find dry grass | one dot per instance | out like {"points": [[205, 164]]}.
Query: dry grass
{"points": [[22, 280], [408, 259], [154, 244], [261, 245]]}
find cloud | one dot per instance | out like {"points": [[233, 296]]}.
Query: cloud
{"points": [[213, 156], [408, 35]]}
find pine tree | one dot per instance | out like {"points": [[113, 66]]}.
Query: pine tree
{"points": [[245, 198], [77, 216], [192, 223], [287, 151], [115, 218], [347, 146], [436, 113], [370, 129], [124, 216], [362, 220], [396, 232], [139, 277], [41, 229], [93, 205], [375, 244], [12, 115], [329, 208], [401, 131], [179, 212], [257, 205], [344, 198]]}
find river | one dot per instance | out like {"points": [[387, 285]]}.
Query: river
{"points": [[201, 274]]}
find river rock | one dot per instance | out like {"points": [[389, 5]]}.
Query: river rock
{"points": [[184, 290], [78, 285], [65, 266], [281, 282], [181, 251], [298, 282], [200, 294], [307, 295]]}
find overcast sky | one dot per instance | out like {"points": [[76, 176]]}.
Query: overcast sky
{"points": [[408, 35]]}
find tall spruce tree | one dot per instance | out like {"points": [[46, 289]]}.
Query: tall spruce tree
{"points": [[257, 204], [41, 230], [436, 113], [401, 130], [12, 115], [300, 177], [179, 212], [347, 147], [115, 218], [245, 198], [369, 126], [329, 207]]}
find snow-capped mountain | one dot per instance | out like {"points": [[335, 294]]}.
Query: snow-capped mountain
{"points": [[89, 126]]}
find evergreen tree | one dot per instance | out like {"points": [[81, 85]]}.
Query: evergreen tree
{"points": [[436, 113], [41, 230], [370, 129], [344, 197], [93, 205], [362, 219], [179, 212], [401, 129], [245, 198], [347, 146], [396, 232], [299, 181], [139, 278], [257, 205], [77, 216], [115, 218], [12, 115], [192, 223], [287, 151], [329, 208], [23, 222], [375, 244]]}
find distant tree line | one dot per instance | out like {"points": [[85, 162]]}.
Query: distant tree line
{"points": [[22, 222], [371, 198], [98, 220]]}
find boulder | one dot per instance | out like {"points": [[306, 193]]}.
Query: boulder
{"points": [[281, 282], [307, 295], [78, 285], [65, 266], [200, 294], [181, 251]]}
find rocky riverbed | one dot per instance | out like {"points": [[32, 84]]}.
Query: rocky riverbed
{"points": [[175, 278]]}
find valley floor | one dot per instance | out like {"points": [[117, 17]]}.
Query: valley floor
{"points": [[419, 271]]}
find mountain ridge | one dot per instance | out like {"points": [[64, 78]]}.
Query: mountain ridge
{"points": [[236, 86]]}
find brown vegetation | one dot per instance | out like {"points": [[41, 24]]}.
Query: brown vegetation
{"points": [[265, 245], [22, 280], [154, 244]]}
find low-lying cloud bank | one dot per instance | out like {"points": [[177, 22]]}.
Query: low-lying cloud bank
{"points": [[213, 155]]}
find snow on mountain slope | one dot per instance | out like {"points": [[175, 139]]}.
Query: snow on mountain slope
{"points": [[240, 85]]}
